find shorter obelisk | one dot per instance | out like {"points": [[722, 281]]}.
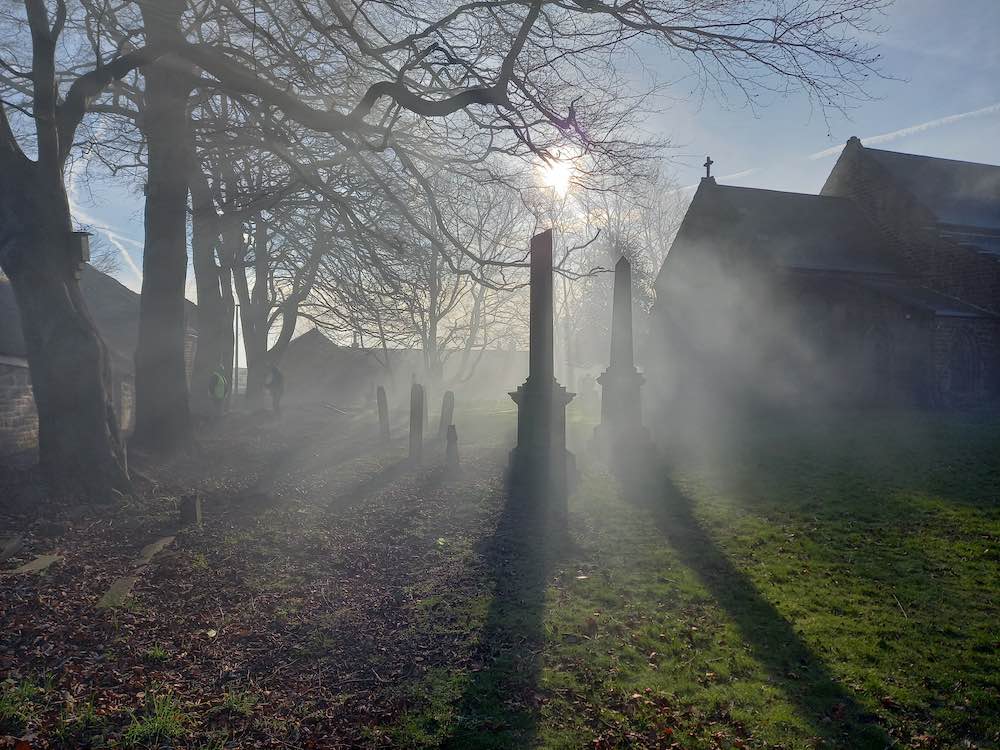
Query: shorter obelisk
{"points": [[540, 459], [620, 431]]}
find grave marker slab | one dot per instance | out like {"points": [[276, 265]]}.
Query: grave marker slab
{"points": [[383, 414], [416, 423], [447, 414]]}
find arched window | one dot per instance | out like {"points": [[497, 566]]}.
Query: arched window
{"points": [[963, 363]]}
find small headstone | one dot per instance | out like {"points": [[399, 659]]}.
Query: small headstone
{"points": [[119, 591], [416, 423], [191, 510], [383, 414], [447, 414], [37, 565], [451, 448], [152, 549], [10, 547]]}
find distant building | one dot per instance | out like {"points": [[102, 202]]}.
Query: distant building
{"points": [[315, 368], [115, 309], [884, 288]]}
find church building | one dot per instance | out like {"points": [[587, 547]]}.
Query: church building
{"points": [[882, 289]]}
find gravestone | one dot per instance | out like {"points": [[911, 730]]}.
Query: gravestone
{"points": [[416, 423], [451, 448], [540, 459], [383, 414], [447, 414], [190, 510], [620, 432]]}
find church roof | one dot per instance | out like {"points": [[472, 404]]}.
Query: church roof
{"points": [[960, 193], [114, 306], [791, 230]]}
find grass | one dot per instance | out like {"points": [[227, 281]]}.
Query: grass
{"points": [[162, 720], [827, 586], [17, 705], [238, 703], [81, 725], [155, 654]]}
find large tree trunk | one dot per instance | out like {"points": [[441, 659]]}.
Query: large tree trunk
{"points": [[211, 349], [163, 419], [79, 443], [253, 315]]}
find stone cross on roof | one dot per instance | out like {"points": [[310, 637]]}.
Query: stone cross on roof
{"points": [[708, 166]]}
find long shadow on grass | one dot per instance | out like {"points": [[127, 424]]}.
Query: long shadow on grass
{"points": [[499, 707], [831, 710]]}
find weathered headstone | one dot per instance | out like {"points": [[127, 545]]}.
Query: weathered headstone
{"points": [[383, 415], [447, 414], [540, 458], [621, 432], [451, 448], [190, 507], [416, 423], [40, 563]]}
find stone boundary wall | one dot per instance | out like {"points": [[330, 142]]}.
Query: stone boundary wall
{"points": [[18, 417]]}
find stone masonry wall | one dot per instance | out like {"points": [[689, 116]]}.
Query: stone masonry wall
{"points": [[939, 263], [18, 417], [980, 338]]}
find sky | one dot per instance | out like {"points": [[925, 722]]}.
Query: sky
{"points": [[941, 98]]}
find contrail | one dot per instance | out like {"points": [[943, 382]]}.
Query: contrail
{"points": [[875, 140], [118, 240]]}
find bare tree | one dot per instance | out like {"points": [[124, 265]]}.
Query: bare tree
{"points": [[395, 89], [79, 445]]}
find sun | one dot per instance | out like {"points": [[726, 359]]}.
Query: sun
{"points": [[557, 174]]}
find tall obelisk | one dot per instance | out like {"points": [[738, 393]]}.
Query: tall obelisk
{"points": [[621, 427], [540, 458]]}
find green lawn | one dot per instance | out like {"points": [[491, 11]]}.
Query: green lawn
{"points": [[835, 586]]}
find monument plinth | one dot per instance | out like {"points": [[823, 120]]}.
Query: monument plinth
{"points": [[621, 427], [540, 458]]}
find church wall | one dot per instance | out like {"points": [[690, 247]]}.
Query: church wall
{"points": [[794, 339], [940, 264], [966, 360]]}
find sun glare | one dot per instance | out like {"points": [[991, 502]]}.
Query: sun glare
{"points": [[557, 175]]}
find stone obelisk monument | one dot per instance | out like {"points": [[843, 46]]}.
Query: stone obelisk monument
{"points": [[540, 458], [621, 430]]}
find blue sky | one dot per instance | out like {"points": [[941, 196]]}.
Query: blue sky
{"points": [[943, 99], [943, 61]]}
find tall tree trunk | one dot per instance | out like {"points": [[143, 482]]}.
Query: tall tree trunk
{"points": [[212, 320], [163, 419], [78, 439]]}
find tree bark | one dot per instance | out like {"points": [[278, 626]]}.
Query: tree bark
{"points": [[163, 418], [212, 319], [79, 444]]}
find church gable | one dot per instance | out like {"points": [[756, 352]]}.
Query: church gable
{"points": [[736, 227], [940, 217]]}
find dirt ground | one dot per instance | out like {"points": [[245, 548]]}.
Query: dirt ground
{"points": [[807, 590], [282, 621]]}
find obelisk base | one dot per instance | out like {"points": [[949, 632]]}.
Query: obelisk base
{"points": [[540, 460], [621, 432]]}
